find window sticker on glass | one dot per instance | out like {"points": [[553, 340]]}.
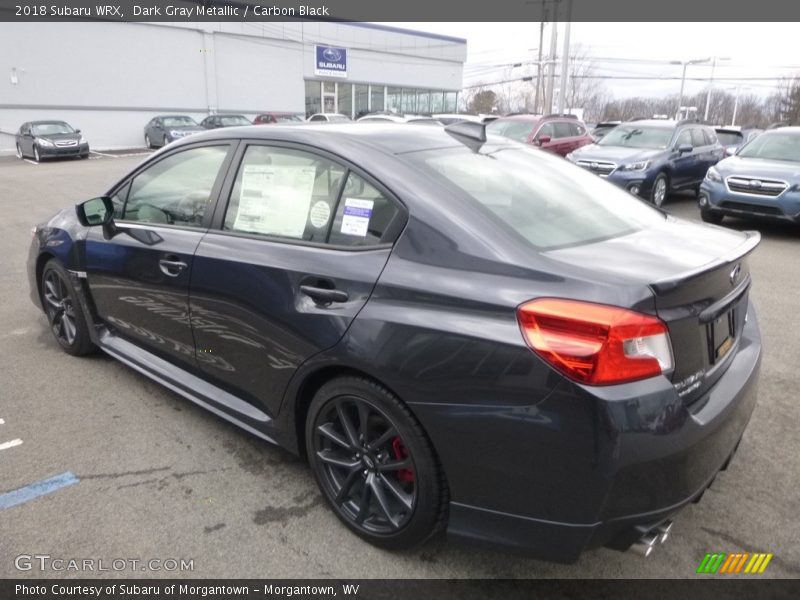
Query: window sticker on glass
{"points": [[320, 213], [275, 200], [357, 213]]}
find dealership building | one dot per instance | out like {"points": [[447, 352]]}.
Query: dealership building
{"points": [[110, 78]]}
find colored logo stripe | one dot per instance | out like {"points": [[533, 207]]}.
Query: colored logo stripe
{"points": [[721, 562]]}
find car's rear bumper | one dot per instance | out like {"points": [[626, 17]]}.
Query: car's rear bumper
{"points": [[715, 198], [649, 457]]}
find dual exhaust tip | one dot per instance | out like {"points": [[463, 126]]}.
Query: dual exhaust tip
{"points": [[645, 545]]}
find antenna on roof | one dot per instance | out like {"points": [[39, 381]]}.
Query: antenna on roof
{"points": [[468, 129]]}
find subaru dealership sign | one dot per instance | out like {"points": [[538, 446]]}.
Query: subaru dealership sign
{"points": [[330, 62]]}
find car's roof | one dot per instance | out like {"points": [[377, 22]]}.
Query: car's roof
{"points": [[228, 115], [51, 121], [171, 116], [662, 123], [529, 118], [393, 138]]}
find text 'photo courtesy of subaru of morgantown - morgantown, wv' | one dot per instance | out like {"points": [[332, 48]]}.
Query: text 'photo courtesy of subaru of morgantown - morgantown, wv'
{"points": [[447, 325]]}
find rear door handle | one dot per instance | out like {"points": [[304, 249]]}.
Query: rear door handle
{"points": [[171, 266], [324, 295]]}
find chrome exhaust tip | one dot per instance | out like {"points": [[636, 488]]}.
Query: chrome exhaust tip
{"points": [[663, 531], [645, 545]]}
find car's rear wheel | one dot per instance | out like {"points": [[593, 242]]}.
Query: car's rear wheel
{"points": [[36, 156], [711, 217], [64, 315], [147, 142], [374, 464], [659, 191]]}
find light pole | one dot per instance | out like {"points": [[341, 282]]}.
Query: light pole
{"points": [[711, 83], [685, 64]]}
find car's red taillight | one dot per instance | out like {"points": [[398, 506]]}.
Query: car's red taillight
{"points": [[596, 344]]}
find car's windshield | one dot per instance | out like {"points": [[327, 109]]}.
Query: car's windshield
{"points": [[512, 129], [52, 128], [633, 136], [287, 118], [773, 146], [178, 121], [548, 202], [231, 120], [730, 138]]}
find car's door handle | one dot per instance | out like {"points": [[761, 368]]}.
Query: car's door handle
{"points": [[171, 268], [324, 295]]}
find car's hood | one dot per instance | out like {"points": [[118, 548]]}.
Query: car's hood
{"points": [[58, 137], [759, 167], [663, 252], [617, 154]]}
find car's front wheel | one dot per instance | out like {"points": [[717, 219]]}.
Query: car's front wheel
{"points": [[19, 152], [64, 315], [659, 191], [36, 156], [147, 142], [164, 142], [374, 464]]}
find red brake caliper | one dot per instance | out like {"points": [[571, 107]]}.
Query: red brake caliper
{"points": [[400, 453]]}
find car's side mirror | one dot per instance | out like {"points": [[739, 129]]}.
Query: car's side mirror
{"points": [[97, 211], [684, 148], [77, 131], [543, 139]]}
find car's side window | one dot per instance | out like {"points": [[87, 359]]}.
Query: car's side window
{"points": [[698, 139], [562, 129], [317, 118], [363, 215], [177, 189], [577, 130], [685, 137], [281, 192], [546, 130], [711, 137]]}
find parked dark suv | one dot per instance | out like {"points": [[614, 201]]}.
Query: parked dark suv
{"points": [[651, 158], [559, 134]]}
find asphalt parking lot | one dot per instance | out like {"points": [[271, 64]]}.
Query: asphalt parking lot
{"points": [[159, 478]]}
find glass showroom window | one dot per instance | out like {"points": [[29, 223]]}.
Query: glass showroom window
{"points": [[437, 102], [409, 101], [378, 94], [313, 97], [362, 100], [344, 93], [423, 101], [450, 102], [395, 99]]}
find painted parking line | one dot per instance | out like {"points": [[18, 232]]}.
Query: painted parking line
{"points": [[34, 490], [2, 422], [31, 162], [103, 154], [11, 444]]}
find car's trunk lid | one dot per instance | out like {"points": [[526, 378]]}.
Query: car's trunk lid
{"points": [[699, 278]]}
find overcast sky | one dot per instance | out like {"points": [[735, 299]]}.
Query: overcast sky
{"points": [[753, 50]]}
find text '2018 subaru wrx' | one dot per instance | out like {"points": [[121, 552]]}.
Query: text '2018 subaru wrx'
{"points": [[459, 333]]}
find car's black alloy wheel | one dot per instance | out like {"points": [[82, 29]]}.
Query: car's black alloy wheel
{"points": [[374, 464], [63, 314]]}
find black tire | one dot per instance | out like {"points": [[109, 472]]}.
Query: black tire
{"points": [[711, 217], [64, 315], [391, 488], [164, 142], [36, 157], [660, 189], [147, 142]]}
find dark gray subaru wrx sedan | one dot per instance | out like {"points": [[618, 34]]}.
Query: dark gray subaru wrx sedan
{"points": [[458, 333]]}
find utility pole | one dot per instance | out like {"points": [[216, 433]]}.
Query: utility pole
{"points": [[711, 84], [564, 78], [539, 62], [551, 72]]}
